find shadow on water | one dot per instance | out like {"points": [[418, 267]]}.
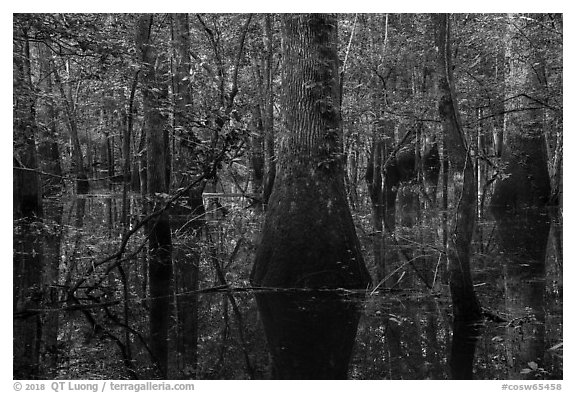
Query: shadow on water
{"points": [[310, 335]]}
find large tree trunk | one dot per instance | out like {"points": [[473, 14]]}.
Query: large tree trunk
{"points": [[160, 241], [466, 306], [309, 239], [527, 182]]}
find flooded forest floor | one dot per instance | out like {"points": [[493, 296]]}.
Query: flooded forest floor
{"points": [[405, 330]]}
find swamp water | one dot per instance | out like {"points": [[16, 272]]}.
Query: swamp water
{"points": [[401, 331]]}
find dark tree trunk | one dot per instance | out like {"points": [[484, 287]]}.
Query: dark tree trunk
{"points": [[27, 295], [128, 132], [187, 260], [187, 268], [27, 263], [524, 153], [376, 192], [352, 173], [309, 239], [27, 245], [82, 184], [466, 306], [50, 275], [268, 112], [160, 241], [110, 154], [257, 152], [27, 195], [48, 150]]}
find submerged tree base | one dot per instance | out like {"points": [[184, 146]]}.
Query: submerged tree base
{"points": [[310, 336], [309, 239]]}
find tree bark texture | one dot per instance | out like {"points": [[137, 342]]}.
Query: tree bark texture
{"points": [[27, 203], [27, 197], [309, 238], [160, 241], [268, 112], [461, 230], [526, 181], [187, 259]]}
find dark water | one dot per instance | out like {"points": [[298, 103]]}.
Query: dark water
{"points": [[401, 331]]}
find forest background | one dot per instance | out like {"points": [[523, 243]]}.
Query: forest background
{"points": [[566, 185]]}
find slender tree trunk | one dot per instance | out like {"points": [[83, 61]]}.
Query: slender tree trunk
{"points": [[110, 154], [50, 276], [27, 294], [188, 266], [82, 185], [128, 132], [498, 108], [352, 172], [160, 241], [28, 250], [268, 112], [257, 152], [27, 196], [376, 192], [48, 151], [27, 262], [466, 306]]}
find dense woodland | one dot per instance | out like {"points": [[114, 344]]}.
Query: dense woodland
{"points": [[315, 196]]}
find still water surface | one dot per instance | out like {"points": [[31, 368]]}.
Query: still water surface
{"points": [[401, 331]]}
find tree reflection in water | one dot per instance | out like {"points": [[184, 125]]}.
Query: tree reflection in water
{"points": [[310, 334]]}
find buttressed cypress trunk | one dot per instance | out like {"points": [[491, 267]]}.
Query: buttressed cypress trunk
{"points": [[524, 152], [309, 239]]}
